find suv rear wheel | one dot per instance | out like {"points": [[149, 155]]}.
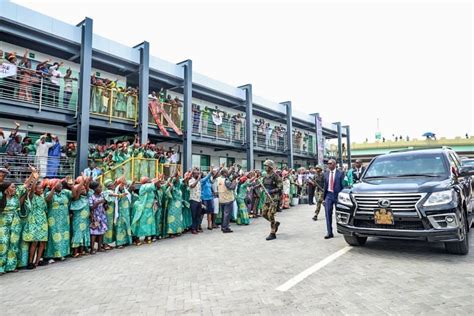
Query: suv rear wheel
{"points": [[355, 241], [460, 247]]}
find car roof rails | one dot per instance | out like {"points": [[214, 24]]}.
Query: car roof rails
{"points": [[418, 148]]}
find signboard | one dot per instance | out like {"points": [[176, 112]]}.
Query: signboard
{"points": [[320, 140], [7, 70], [378, 136]]}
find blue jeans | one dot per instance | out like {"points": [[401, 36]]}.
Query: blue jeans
{"points": [[330, 202]]}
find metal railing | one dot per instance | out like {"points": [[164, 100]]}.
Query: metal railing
{"points": [[174, 113], [48, 167], [273, 139], [33, 87], [114, 103], [302, 146], [230, 129], [135, 168]]}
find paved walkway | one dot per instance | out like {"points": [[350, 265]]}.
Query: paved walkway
{"points": [[237, 274]]}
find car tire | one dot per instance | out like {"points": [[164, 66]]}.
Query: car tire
{"points": [[355, 241], [460, 247]]}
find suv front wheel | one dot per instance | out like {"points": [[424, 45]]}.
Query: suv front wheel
{"points": [[355, 241], [460, 247]]}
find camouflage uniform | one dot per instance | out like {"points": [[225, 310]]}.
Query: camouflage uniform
{"points": [[319, 189], [274, 185]]}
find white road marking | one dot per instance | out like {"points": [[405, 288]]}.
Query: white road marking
{"points": [[306, 273]]}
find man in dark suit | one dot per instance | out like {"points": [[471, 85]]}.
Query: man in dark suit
{"points": [[332, 187], [357, 171]]}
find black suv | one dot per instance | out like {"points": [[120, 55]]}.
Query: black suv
{"points": [[415, 194]]}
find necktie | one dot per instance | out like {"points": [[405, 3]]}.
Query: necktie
{"points": [[331, 182]]}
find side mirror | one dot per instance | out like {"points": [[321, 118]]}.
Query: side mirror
{"points": [[466, 171]]}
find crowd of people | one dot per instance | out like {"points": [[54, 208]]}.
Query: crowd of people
{"points": [[42, 221], [42, 82], [103, 158], [46, 219], [17, 152]]}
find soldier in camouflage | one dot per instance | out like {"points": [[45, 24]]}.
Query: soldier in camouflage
{"points": [[273, 185]]}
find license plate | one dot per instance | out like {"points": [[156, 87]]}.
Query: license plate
{"points": [[383, 216]]}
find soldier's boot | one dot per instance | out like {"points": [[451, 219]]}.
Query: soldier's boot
{"points": [[271, 236], [277, 224]]}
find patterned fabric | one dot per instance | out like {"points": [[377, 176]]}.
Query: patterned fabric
{"points": [[80, 222], [159, 215], [175, 209], [36, 228], [143, 223], [109, 236], [187, 216], [98, 224], [59, 225], [10, 233], [123, 232], [242, 214]]}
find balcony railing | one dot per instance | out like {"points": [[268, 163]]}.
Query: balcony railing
{"points": [[270, 140], [48, 167], [172, 113], [231, 130], [36, 88], [135, 168], [114, 104]]}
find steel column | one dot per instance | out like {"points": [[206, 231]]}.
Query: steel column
{"points": [[289, 132], [348, 146], [339, 143], [143, 82], [188, 115], [84, 96], [249, 125]]}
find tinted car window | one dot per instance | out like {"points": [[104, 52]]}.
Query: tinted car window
{"points": [[407, 164], [468, 162]]}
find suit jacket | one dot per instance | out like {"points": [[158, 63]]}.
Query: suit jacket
{"points": [[356, 176], [338, 178]]}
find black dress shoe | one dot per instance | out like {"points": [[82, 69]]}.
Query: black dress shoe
{"points": [[328, 236], [271, 237], [225, 231], [315, 218]]}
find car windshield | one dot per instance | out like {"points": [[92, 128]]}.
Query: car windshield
{"points": [[416, 164], [469, 162]]}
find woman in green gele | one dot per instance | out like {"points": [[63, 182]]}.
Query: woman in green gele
{"points": [[143, 222], [175, 207], [13, 249]]}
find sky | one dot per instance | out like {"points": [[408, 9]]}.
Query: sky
{"points": [[404, 64]]}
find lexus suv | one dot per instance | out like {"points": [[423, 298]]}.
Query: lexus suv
{"points": [[414, 194]]}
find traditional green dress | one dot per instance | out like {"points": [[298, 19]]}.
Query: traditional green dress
{"points": [[81, 222], [96, 99], [150, 154], [10, 233], [120, 102], [143, 223], [36, 228], [293, 189], [138, 162], [187, 216], [160, 194], [123, 232], [242, 214], [175, 209], [131, 110], [110, 213], [59, 225]]}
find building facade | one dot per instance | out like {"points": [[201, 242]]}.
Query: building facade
{"points": [[107, 96]]}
